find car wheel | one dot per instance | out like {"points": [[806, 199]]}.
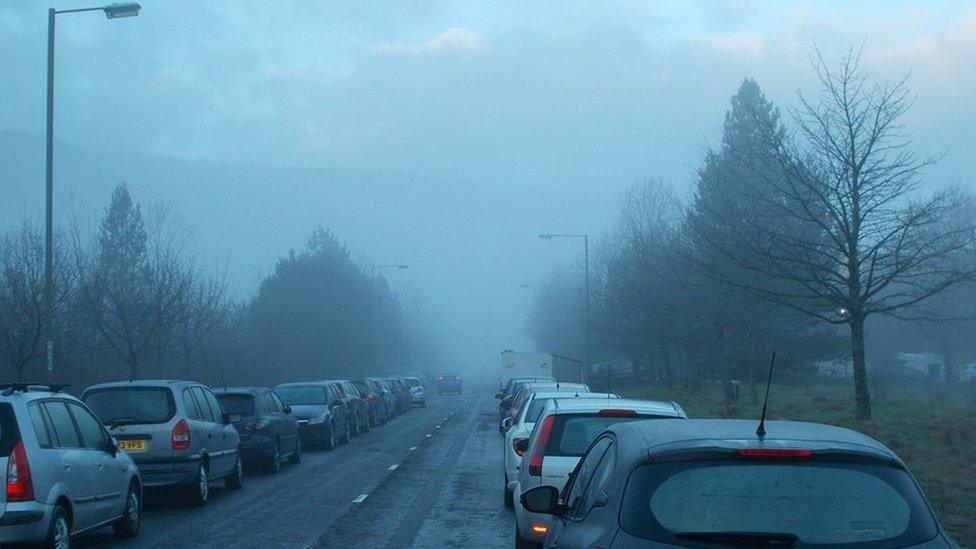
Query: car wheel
{"points": [[199, 491], [345, 438], [329, 442], [353, 428], [235, 480], [59, 533], [365, 426], [296, 455], [274, 462], [522, 543], [509, 496], [128, 524]]}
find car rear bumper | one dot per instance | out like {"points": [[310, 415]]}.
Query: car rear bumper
{"points": [[257, 448], [313, 433], [160, 473], [25, 522]]}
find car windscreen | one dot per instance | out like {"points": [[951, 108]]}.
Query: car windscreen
{"points": [[237, 403], [363, 388], [131, 405], [822, 503], [301, 394], [572, 433], [411, 381]]}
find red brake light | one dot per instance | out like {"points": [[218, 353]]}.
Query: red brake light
{"points": [[774, 453], [616, 412], [519, 444], [19, 485], [181, 435], [535, 460]]}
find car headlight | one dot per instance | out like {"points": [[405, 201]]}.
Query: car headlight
{"points": [[317, 418]]}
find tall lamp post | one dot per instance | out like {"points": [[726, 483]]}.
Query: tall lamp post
{"points": [[586, 264], [112, 11], [374, 268]]}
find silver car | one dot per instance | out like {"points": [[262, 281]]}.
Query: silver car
{"points": [[175, 431], [63, 473]]}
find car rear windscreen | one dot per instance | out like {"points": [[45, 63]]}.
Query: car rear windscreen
{"points": [[237, 403], [572, 433], [302, 394], [821, 503], [125, 405], [9, 435]]}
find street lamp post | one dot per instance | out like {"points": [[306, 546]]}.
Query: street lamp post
{"points": [[112, 11], [586, 268], [374, 268]]}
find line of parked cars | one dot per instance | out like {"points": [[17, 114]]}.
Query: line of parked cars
{"points": [[587, 470], [73, 465]]}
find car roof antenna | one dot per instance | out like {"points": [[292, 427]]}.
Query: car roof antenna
{"points": [[761, 430]]}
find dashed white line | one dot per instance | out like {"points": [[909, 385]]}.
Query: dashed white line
{"points": [[360, 498], [412, 448], [437, 427], [393, 467], [428, 435]]}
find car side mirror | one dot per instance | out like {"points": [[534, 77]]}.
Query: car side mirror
{"points": [[231, 418], [601, 499], [337, 403], [499, 395], [287, 409], [112, 446], [541, 499], [521, 445], [506, 424]]}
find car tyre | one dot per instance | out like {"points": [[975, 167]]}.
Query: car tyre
{"points": [[127, 526], [274, 461], [296, 455], [59, 533], [509, 496], [346, 437], [522, 543], [329, 441], [235, 480], [199, 490]]}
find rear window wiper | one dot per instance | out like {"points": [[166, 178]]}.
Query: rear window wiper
{"points": [[743, 538], [115, 422]]}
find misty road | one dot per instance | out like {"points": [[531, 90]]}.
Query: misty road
{"points": [[430, 479]]}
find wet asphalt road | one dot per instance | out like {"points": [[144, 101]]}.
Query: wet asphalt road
{"points": [[431, 478]]}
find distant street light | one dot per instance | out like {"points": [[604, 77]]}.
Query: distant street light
{"points": [[586, 265], [112, 11], [397, 266]]}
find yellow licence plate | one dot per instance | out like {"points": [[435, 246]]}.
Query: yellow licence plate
{"points": [[133, 445]]}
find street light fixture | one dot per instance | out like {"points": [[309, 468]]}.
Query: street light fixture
{"points": [[112, 11], [397, 266], [586, 264]]}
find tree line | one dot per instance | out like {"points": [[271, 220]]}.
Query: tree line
{"points": [[795, 227], [132, 302]]}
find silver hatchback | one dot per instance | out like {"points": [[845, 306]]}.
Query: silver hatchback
{"points": [[175, 431], [63, 473]]}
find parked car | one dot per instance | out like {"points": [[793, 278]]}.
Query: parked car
{"points": [[525, 392], [418, 395], [269, 434], [176, 432], [519, 429], [449, 382], [357, 407], [506, 396], [384, 389], [374, 400], [321, 412], [64, 474], [564, 430], [710, 483], [403, 397]]}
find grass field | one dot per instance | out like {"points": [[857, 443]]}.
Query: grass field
{"points": [[932, 429]]}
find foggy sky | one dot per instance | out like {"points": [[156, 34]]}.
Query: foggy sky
{"points": [[444, 135]]}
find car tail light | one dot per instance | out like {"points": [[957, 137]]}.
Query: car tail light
{"points": [[616, 412], [519, 445], [249, 426], [181, 435], [19, 485], [774, 453], [539, 450]]}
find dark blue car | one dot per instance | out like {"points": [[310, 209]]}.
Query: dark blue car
{"points": [[269, 433]]}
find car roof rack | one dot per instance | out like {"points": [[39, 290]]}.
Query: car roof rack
{"points": [[25, 386]]}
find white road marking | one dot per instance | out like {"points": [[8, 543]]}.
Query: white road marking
{"points": [[428, 435], [412, 448], [437, 427], [360, 498], [394, 466]]}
